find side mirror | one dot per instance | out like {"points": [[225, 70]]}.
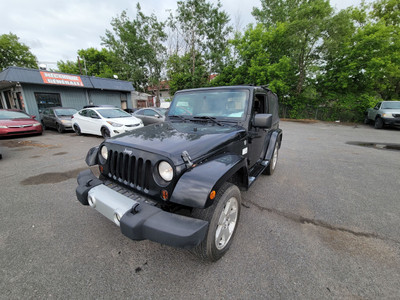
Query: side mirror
{"points": [[95, 117], [262, 120], [33, 117]]}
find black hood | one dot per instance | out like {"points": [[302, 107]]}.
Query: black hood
{"points": [[171, 139]]}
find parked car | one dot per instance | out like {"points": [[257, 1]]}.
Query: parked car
{"points": [[384, 113], [151, 115], [17, 122], [178, 182], [59, 118], [131, 110], [104, 121]]}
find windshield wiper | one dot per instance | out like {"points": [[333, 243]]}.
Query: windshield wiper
{"points": [[179, 117], [209, 118]]}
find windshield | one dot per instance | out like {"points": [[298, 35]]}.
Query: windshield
{"points": [[224, 104], [391, 105], [65, 112], [113, 113], [9, 114]]}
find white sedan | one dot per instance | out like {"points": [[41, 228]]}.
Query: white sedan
{"points": [[104, 121]]}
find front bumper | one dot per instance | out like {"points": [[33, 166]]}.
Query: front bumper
{"points": [[119, 130], [391, 121], [21, 131], [137, 217]]}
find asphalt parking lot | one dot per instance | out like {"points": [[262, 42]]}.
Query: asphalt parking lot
{"points": [[325, 225]]}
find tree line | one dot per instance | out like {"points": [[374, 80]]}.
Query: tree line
{"points": [[322, 64]]}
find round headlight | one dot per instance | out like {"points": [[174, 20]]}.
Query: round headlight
{"points": [[104, 152], [165, 171]]}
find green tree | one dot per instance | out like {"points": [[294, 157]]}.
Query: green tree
{"points": [[138, 48], [362, 57], [180, 72], [15, 53], [204, 30], [92, 62], [68, 66], [305, 24]]}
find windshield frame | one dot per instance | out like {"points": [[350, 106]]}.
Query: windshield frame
{"points": [[224, 104]]}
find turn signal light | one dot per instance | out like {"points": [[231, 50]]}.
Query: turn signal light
{"points": [[164, 194], [212, 195]]}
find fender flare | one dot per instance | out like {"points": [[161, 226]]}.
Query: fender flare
{"points": [[276, 137], [194, 186]]}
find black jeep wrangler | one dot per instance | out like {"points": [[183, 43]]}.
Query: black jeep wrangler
{"points": [[178, 183]]}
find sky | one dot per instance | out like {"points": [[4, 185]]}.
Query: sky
{"points": [[55, 30]]}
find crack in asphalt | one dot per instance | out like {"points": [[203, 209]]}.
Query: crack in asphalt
{"points": [[319, 223]]}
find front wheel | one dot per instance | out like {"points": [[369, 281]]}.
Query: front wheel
{"points": [[223, 217], [379, 123], [59, 128], [105, 133]]}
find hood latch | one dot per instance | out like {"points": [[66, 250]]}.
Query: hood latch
{"points": [[186, 158]]}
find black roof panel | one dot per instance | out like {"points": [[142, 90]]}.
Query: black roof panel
{"points": [[33, 76]]}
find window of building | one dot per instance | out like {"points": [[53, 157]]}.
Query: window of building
{"points": [[45, 100]]}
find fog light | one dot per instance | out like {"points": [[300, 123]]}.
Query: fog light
{"points": [[117, 218], [92, 201]]}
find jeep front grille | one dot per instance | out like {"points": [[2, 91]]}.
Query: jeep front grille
{"points": [[130, 170]]}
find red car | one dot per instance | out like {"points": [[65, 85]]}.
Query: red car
{"points": [[16, 122]]}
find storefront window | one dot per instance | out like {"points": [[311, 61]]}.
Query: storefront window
{"points": [[45, 100]]}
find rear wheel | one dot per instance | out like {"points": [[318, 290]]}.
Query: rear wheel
{"points": [[77, 129], [274, 160], [223, 217], [105, 133]]}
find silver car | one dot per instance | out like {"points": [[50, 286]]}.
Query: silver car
{"points": [[384, 113], [151, 115], [59, 118]]}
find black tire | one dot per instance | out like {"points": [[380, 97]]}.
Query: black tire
{"points": [[366, 121], [77, 130], [59, 128], [274, 160], [379, 123], [105, 133], [228, 199]]}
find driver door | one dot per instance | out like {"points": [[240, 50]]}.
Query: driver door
{"points": [[257, 136]]}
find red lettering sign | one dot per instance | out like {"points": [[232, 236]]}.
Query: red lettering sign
{"points": [[61, 79]]}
